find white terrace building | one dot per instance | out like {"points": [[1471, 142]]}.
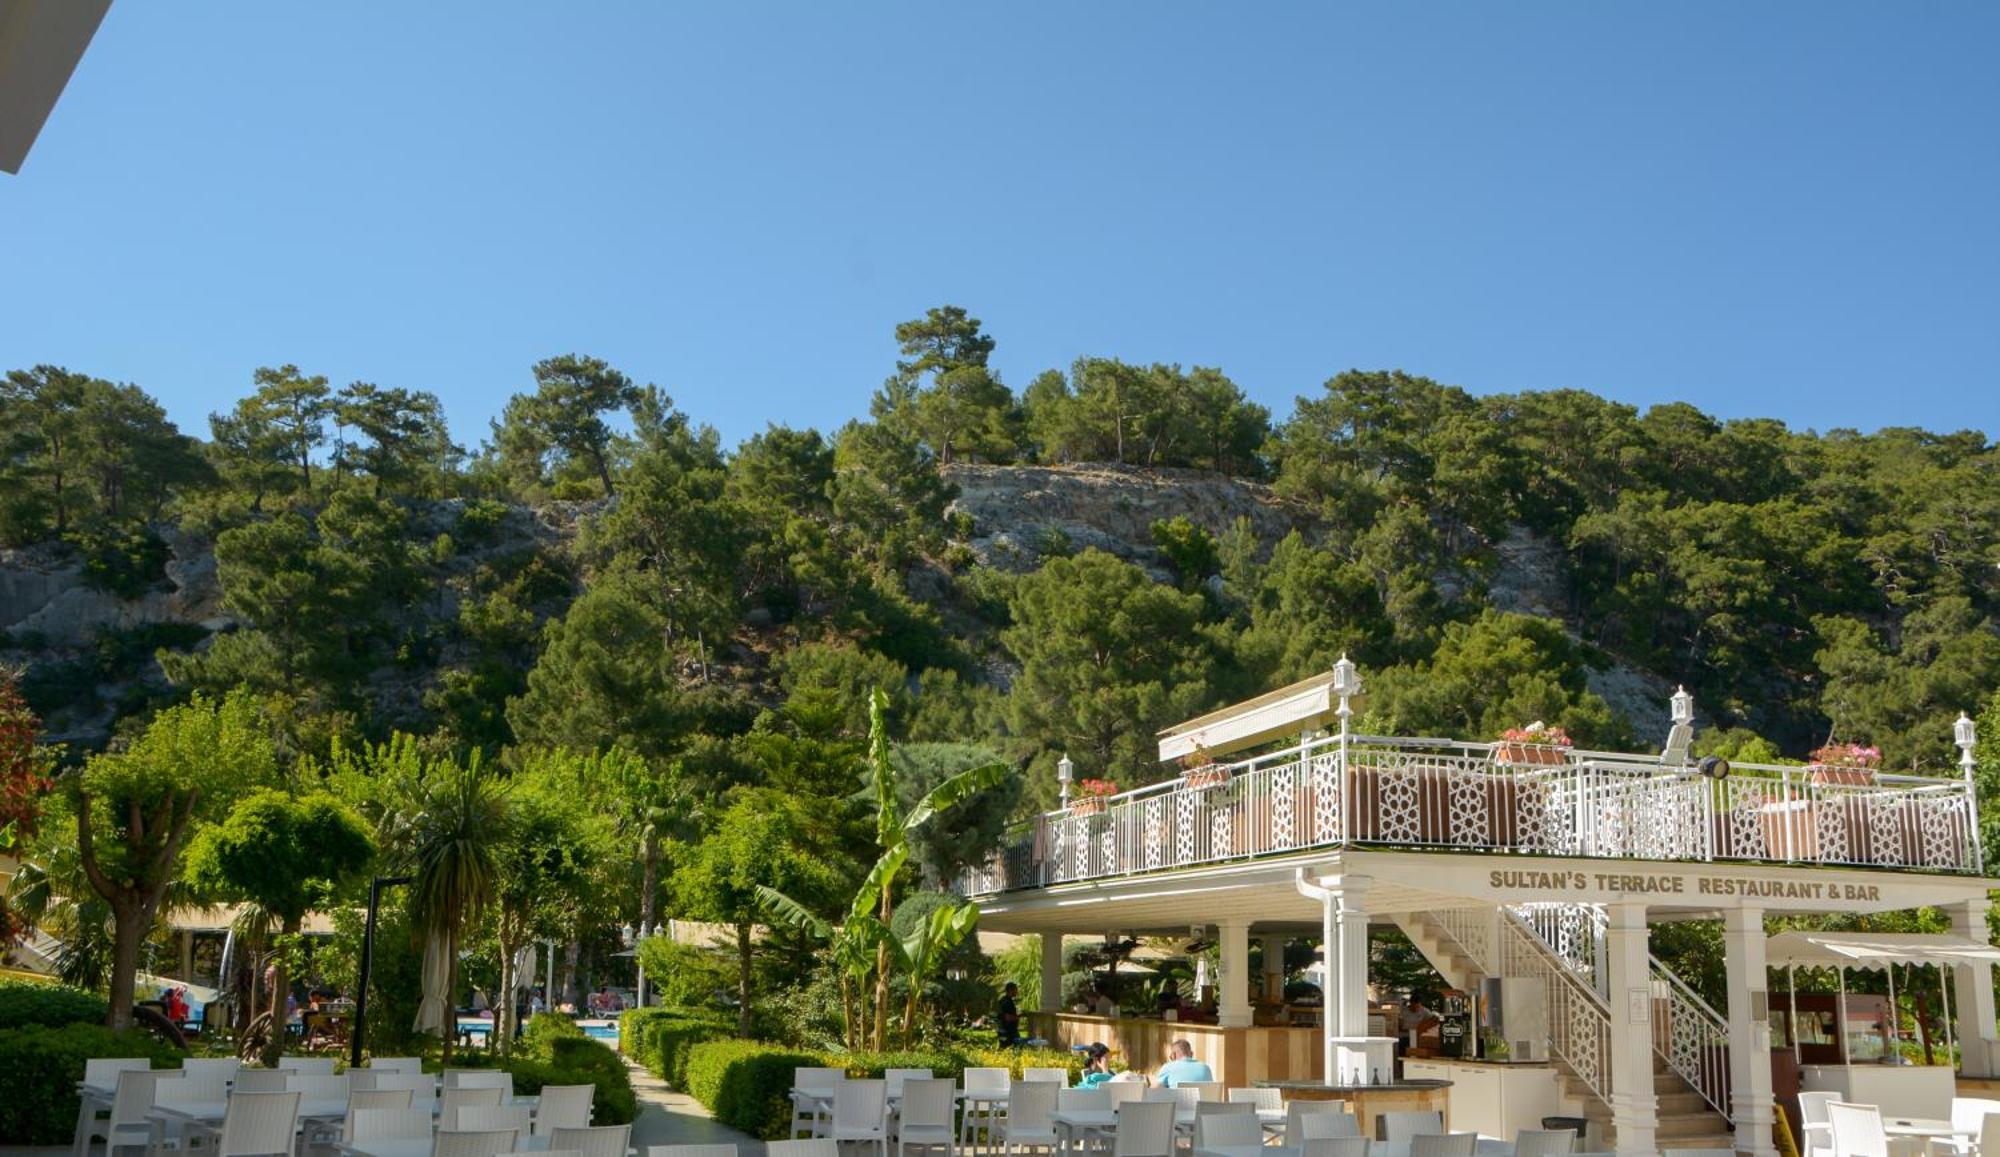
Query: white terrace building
{"points": [[1545, 867]]}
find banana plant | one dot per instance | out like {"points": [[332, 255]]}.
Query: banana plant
{"points": [[924, 951]]}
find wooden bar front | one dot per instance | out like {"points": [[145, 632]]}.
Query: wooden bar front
{"points": [[1240, 1057]]}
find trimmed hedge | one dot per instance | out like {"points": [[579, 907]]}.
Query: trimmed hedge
{"points": [[23, 1003], [552, 1050], [660, 1038], [745, 1083], [40, 1066]]}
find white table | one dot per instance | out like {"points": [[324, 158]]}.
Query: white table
{"points": [[421, 1146], [1911, 1134]]}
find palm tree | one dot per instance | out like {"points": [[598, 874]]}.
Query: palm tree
{"points": [[451, 839]]}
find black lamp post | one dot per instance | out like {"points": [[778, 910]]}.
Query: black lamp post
{"points": [[368, 964]]}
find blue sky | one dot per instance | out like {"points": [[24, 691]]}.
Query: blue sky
{"points": [[1781, 209]]}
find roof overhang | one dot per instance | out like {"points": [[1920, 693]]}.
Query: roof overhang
{"points": [[1873, 950], [1274, 715], [41, 42]]}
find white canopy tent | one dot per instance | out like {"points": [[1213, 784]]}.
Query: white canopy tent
{"points": [[1874, 951]]}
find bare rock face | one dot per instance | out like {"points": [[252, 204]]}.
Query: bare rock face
{"points": [[43, 594], [1018, 511]]}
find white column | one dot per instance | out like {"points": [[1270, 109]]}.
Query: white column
{"points": [[1634, 1109], [1052, 964], [1972, 992], [1749, 1030], [1233, 999], [1351, 979], [1274, 968], [1329, 987]]}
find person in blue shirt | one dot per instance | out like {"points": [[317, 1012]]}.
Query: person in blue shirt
{"points": [[1181, 1067], [1096, 1066]]}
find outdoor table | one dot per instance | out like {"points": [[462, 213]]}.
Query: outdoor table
{"points": [[212, 1113], [1909, 1134], [422, 1146], [1484, 1147], [982, 1110]]}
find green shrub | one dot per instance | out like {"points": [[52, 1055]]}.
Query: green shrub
{"points": [[580, 1061], [940, 1063], [745, 1084], [659, 1038], [544, 1029], [23, 1003], [40, 1066], [1017, 1060]]}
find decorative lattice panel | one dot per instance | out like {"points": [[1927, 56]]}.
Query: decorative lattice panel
{"points": [[1284, 807], [1470, 824]]}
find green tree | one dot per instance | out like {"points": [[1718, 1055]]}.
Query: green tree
{"points": [[943, 393], [271, 435], [1499, 671], [403, 448], [288, 855], [448, 821], [136, 810], [557, 435]]}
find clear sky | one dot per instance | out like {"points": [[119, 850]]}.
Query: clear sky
{"points": [[1767, 209]]}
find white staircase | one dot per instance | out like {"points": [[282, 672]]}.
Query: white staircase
{"points": [[1690, 1061]]}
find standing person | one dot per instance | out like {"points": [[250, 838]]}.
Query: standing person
{"points": [[1418, 1020], [1181, 1067], [1008, 1016]]}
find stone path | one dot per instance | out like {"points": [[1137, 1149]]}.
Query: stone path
{"points": [[670, 1118]]}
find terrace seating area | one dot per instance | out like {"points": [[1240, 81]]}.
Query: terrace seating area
{"points": [[302, 1107]]}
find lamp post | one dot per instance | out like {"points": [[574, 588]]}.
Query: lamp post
{"points": [[1965, 733], [359, 1032], [1683, 706], [1065, 773], [1346, 684]]}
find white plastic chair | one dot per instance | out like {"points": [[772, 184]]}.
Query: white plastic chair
{"points": [[1027, 1124], [563, 1107], [396, 1064], [376, 1100], [1206, 1090], [1124, 1092], [1443, 1144], [860, 1109], [471, 1143], [1328, 1126], [388, 1124], [1695, 1153], [926, 1117], [101, 1073], [1296, 1111], [1403, 1126], [479, 1079], [258, 1125], [486, 1118], [1083, 1100], [197, 1089], [261, 1081], [1266, 1100], [208, 1077], [1336, 1147], [127, 1126], [1815, 1134], [1544, 1142], [1220, 1130], [1145, 1129], [809, 1111], [316, 1086], [807, 1147], [692, 1150], [1857, 1130], [457, 1101], [319, 1066], [894, 1079], [422, 1087], [1059, 1076], [595, 1141]]}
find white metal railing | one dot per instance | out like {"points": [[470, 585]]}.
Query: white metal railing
{"points": [[1692, 1036], [1399, 792], [1579, 1020]]}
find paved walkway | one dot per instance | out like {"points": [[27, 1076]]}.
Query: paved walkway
{"points": [[670, 1118]]}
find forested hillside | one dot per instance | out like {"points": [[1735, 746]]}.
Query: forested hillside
{"points": [[597, 569]]}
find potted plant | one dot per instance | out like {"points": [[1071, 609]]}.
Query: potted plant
{"points": [[1536, 745], [1845, 763], [1091, 796], [1199, 771]]}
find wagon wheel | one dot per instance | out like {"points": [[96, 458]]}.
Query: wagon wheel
{"points": [[255, 1037]]}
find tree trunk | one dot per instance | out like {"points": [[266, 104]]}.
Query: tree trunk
{"points": [[128, 932], [603, 470], [503, 1008], [649, 883], [570, 952], [281, 990], [743, 981]]}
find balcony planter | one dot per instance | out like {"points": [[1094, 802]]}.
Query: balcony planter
{"points": [[1530, 754], [1204, 777], [1087, 806], [1846, 775]]}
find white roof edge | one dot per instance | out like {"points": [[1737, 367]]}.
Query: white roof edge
{"points": [[1275, 714]]}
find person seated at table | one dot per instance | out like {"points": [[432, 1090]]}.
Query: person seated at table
{"points": [[1181, 1067], [1169, 999], [1096, 1065]]}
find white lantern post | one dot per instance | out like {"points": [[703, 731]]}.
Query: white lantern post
{"points": [[1965, 733], [1346, 684], [1065, 773], [1683, 706]]}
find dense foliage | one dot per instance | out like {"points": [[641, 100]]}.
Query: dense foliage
{"points": [[40, 1067], [23, 1003]]}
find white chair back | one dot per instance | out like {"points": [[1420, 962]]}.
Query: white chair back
{"points": [[474, 1143], [387, 1124], [479, 1079], [1328, 1126], [102, 1072], [1544, 1142], [1216, 1130], [1124, 1092], [1156, 1096], [1266, 1100], [563, 1107], [1297, 1111], [1029, 1104], [1402, 1126], [1336, 1147], [1059, 1076], [859, 1106], [813, 1077], [1695, 1153], [134, 1098], [373, 1100], [396, 1064], [806, 1147], [319, 1065], [1968, 1114], [1443, 1144], [208, 1077], [928, 1102], [1857, 1130], [596, 1141], [318, 1086], [457, 1101], [1206, 1090], [1989, 1134], [986, 1080], [691, 1151], [259, 1125], [1083, 1100], [488, 1117], [894, 1079], [1145, 1129], [422, 1087], [261, 1081]]}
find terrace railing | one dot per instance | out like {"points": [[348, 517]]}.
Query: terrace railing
{"points": [[1381, 791]]}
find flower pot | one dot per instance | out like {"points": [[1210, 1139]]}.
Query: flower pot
{"points": [[1843, 775], [1203, 778], [1530, 754], [1086, 807]]}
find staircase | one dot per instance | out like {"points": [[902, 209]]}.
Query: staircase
{"points": [[1460, 943]]}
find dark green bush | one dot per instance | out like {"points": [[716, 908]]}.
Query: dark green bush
{"points": [[544, 1029], [40, 1066], [659, 1038], [745, 1083], [581, 1062], [23, 1003], [940, 1063]]}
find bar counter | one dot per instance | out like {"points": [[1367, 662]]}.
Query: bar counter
{"points": [[1367, 1102], [1239, 1057]]}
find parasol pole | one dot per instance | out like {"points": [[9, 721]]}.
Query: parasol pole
{"points": [[1792, 991]]}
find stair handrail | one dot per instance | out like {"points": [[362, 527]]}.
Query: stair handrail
{"points": [[1579, 1020], [1692, 1037]]}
